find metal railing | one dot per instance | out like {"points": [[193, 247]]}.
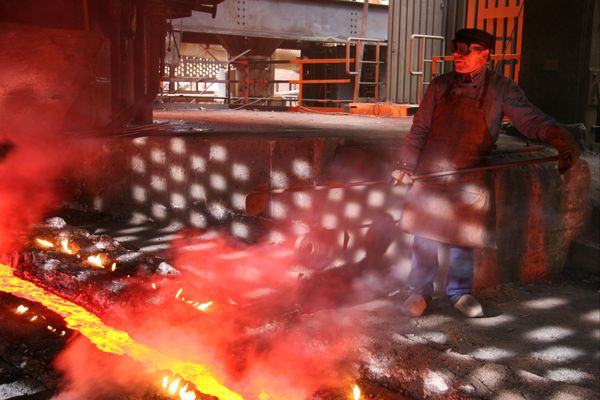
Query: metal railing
{"points": [[422, 60], [245, 98], [358, 61]]}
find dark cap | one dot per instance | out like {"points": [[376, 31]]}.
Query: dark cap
{"points": [[475, 36]]}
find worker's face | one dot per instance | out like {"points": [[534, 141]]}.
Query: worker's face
{"points": [[469, 58]]}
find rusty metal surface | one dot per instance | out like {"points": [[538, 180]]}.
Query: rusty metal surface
{"points": [[47, 75], [184, 174]]}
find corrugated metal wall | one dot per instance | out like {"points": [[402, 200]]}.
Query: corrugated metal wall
{"points": [[425, 17]]}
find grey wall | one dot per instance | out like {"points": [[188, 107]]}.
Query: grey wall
{"points": [[407, 17]]}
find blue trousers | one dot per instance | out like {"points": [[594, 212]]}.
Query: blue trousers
{"points": [[425, 267]]}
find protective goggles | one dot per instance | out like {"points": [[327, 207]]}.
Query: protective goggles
{"points": [[464, 49]]}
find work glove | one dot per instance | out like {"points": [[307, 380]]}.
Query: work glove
{"points": [[568, 149], [402, 177]]}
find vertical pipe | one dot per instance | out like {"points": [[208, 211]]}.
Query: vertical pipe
{"points": [[301, 76], [156, 39], [116, 86], [247, 83], [86, 15], [140, 69], [377, 50], [228, 83], [360, 50]]}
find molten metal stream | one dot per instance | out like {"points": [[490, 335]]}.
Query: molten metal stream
{"points": [[113, 340]]}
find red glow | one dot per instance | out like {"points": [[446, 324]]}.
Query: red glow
{"points": [[249, 330]]}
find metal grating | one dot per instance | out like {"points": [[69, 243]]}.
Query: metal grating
{"points": [[195, 67]]}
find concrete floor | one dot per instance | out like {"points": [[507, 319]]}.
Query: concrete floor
{"points": [[537, 341]]}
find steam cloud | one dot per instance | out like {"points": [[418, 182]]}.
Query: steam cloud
{"points": [[255, 337]]}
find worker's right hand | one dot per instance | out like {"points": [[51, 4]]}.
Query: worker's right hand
{"points": [[402, 177]]}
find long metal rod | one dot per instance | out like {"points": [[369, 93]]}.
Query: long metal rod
{"points": [[432, 175]]}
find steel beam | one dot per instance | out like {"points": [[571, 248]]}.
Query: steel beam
{"points": [[288, 19]]}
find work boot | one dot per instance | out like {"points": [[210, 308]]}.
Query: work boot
{"points": [[415, 305], [469, 306]]}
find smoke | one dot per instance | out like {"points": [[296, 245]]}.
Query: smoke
{"points": [[35, 179], [92, 374], [254, 337]]}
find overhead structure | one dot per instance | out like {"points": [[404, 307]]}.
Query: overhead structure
{"points": [[293, 20], [128, 49]]}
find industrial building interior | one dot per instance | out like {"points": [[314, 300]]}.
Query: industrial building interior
{"points": [[197, 203]]}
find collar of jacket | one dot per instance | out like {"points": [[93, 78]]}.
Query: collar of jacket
{"points": [[473, 77]]}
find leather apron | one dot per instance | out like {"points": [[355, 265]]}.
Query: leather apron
{"points": [[455, 209]]}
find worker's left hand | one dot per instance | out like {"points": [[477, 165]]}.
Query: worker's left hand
{"points": [[402, 177], [568, 149]]}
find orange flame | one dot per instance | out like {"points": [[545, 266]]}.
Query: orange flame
{"points": [[185, 394], [174, 389], [44, 243], [113, 340], [96, 261], [65, 246], [356, 392]]}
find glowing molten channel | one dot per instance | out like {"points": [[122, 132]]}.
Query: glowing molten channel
{"points": [[113, 340]]}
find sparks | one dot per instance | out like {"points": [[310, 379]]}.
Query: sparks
{"points": [[204, 306], [22, 309], [356, 392], [178, 293], [113, 340], [96, 261], [34, 318], [153, 285], [113, 267], [44, 243]]}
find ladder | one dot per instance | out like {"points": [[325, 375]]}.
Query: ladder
{"points": [[367, 70]]}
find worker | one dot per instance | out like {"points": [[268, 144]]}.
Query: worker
{"points": [[457, 123]]}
